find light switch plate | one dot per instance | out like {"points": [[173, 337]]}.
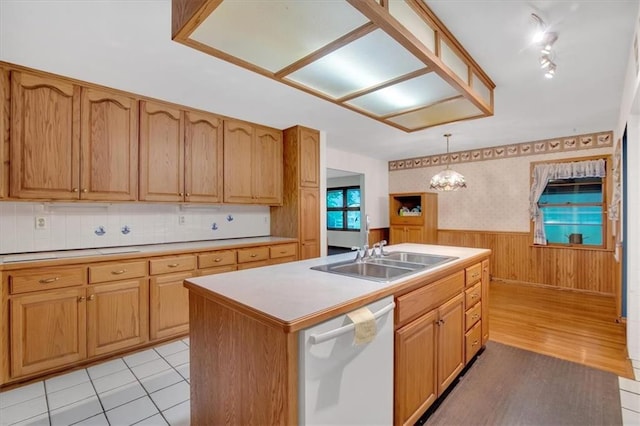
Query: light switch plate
{"points": [[41, 222]]}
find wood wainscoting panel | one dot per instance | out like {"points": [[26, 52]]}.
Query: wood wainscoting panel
{"points": [[513, 258]]}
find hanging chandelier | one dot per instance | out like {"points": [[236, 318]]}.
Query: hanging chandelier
{"points": [[448, 180]]}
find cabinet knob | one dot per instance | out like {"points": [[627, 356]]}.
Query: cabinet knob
{"points": [[188, 194], [217, 259], [81, 299], [475, 316], [180, 194], [74, 190], [85, 190], [173, 265], [92, 297], [254, 255]]}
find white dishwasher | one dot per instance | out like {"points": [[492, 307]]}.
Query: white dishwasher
{"points": [[341, 383]]}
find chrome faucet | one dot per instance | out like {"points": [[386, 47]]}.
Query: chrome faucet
{"points": [[365, 252], [380, 245], [358, 258]]}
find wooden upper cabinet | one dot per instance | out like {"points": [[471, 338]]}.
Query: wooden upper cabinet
{"points": [[109, 146], [309, 158], [5, 108], [203, 157], [252, 164], [267, 166], [45, 137], [161, 153]]}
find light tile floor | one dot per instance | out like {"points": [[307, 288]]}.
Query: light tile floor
{"points": [[146, 388], [151, 388], [630, 397]]}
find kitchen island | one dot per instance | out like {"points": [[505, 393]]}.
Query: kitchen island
{"points": [[244, 331]]}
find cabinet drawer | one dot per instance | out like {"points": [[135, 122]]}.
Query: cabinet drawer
{"points": [[172, 264], [117, 271], [249, 265], [218, 258], [422, 300], [473, 340], [46, 278], [253, 254], [217, 270], [283, 250], [472, 315], [473, 295], [473, 273]]}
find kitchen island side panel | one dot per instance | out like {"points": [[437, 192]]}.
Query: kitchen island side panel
{"points": [[245, 371]]}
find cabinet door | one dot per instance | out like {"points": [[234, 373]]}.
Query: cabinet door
{"points": [[169, 305], [267, 158], [397, 235], [450, 341], [117, 316], [203, 158], [109, 146], [5, 108], [47, 330], [485, 301], [309, 223], [161, 153], [45, 137], [238, 148], [415, 369], [309, 158], [414, 234]]}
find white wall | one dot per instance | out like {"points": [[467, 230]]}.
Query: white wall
{"points": [[348, 238], [630, 115], [74, 225]]}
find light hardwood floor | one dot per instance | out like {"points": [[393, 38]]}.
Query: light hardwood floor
{"points": [[564, 324]]}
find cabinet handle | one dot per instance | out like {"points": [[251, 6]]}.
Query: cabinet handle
{"points": [[74, 190], [173, 265], [85, 190], [254, 255], [475, 316], [283, 252], [217, 259], [119, 272], [475, 342], [92, 297], [81, 299], [476, 275], [49, 280], [473, 296], [180, 194]]}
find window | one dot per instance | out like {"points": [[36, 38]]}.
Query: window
{"points": [[568, 203], [343, 209], [573, 211]]}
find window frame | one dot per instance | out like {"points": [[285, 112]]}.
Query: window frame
{"points": [[345, 209], [607, 244]]}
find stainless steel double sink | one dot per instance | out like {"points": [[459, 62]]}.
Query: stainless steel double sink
{"points": [[386, 268]]}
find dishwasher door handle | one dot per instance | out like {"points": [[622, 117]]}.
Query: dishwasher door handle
{"points": [[332, 334]]}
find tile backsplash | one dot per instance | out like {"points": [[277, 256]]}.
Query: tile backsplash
{"points": [[32, 227]]}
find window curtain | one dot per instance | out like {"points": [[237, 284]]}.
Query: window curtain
{"points": [[543, 173]]}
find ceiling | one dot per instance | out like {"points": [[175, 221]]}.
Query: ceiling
{"points": [[127, 45]]}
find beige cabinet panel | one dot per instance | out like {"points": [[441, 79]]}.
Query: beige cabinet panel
{"points": [[169, 305], [161, 153], [203, 157], [117, 316], [47, 330], [109, 146], [45, 137]]}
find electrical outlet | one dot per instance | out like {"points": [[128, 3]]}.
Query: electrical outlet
{"points": [[181, 220], [41, 222]]}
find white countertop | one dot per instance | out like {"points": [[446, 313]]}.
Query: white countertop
{"points": [[143, 249], [292, 291]]}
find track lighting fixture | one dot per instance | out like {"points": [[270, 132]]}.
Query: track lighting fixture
{"points": [[545, 40]]}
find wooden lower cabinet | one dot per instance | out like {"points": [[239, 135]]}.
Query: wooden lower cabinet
{"points": [[47, 330], [416, 385], [117, 316], [169, 305], [429, 356], [406, 234]]}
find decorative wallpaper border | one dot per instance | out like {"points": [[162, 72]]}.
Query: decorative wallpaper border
{"points": [[562, 144]]}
